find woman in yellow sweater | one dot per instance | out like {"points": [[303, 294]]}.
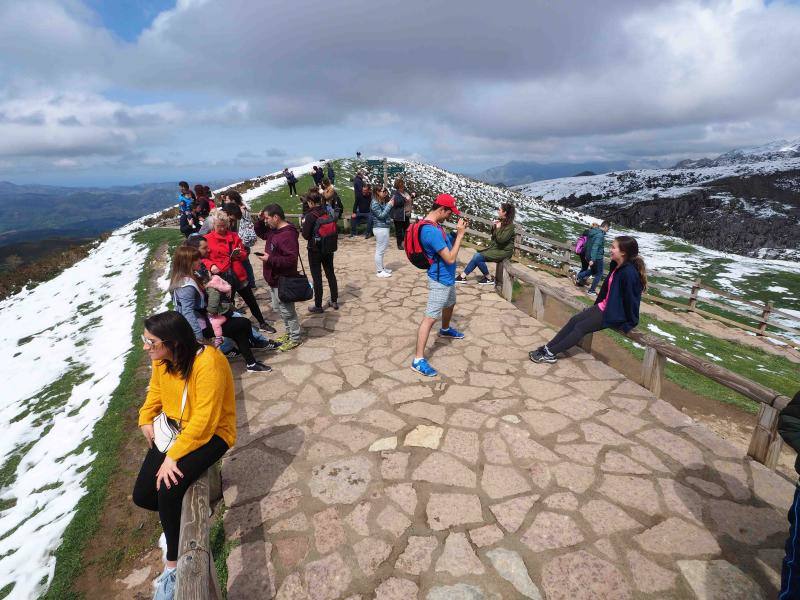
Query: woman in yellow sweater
{"points": [[207, 423]]}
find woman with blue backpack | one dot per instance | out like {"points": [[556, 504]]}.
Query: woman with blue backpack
{"points": [[617, 304], [593, 253]]}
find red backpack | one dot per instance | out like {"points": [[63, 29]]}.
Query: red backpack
{"points": [[413, 246], [326, 234]]}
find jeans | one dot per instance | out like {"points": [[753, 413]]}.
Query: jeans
{"points": [[167, 501], [317, 262], [288, 313], [596, 270], [587, 321], [477, 261], [251, 276], [255, 336], [361, 218], [381, 243], [790, 571], [400, 228]]}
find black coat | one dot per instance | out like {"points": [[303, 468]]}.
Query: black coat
{"points": [[624, 297]]}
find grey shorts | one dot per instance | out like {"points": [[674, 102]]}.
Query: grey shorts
{"points": [[440, 296]]}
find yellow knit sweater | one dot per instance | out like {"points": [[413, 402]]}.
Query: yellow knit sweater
{"points": [[210, 403]]}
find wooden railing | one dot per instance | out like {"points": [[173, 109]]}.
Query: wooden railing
{"points": [[765, 444], [197, 574]]}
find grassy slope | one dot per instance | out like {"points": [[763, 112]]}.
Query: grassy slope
{"points": [[107, 437]]}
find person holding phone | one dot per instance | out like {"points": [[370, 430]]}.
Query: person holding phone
{"points": [[442, 252]]}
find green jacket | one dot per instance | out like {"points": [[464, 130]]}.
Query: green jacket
{"points": [[218, 303], [595, 244], [789, 427], [502, 245]]}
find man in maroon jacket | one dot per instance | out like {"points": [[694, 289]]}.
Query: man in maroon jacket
{"points": [[280, 258]]}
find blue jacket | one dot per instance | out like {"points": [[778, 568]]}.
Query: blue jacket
{"points": [[382, 214], [595, 244], [624, 298], [184, 203]]}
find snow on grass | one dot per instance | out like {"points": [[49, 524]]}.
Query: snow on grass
{"points": [[62, 350], [714, 357], [660, 332]]}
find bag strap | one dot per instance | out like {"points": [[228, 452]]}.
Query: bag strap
{"points": [[302, 266], [186, 390]]}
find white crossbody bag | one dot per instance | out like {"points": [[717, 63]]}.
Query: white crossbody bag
{"points": [[165, 430]]}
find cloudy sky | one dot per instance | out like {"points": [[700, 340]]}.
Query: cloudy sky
{"points": [[123, 91]]}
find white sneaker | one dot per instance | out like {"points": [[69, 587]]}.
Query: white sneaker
{"points": [[389, 271], [384, 274]]}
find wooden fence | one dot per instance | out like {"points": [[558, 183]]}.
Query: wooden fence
{"points": [[197, 574], [765, 444]]}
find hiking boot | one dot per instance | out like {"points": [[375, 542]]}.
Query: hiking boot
{"points": [[289, 345], [258, 367], [264, 326], [488, 280], [316, 309], [265, 345], [422, 367], [333, 304], [165, 585], [451, 333], [461, 279], [542, 356]]}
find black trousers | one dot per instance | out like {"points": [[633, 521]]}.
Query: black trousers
{"points": [[586, 321], [317, 262], [238, 329], [293, 187], [400, 228], [167, 501], [249, 298]]}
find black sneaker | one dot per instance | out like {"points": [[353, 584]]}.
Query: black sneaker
{"points": [[233, 353], [264, 326], [259, 367], [333, 305], [461, 279], [316, 309], [540, 356], [265, 345], [486, 281]]}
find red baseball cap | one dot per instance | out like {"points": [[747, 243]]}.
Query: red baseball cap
{"points": [[447, 201]]}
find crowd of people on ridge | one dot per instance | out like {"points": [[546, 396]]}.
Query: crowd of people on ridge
{"points": [[191, 392]]}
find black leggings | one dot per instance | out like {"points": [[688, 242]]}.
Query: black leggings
{"points": [[586, 321], [400, 232], [249, 298], [167, 501], [317, 262], [238, 329], [293, 187]]}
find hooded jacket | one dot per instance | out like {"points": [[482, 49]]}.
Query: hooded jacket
{"points": [[220, 248], [283, 249], [624, 297], [595, 243]]}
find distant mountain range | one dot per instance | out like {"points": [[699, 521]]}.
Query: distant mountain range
{"points": [[777, 150], [519, 172]]}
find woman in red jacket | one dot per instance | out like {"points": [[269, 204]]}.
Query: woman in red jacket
{"points": [[226, 253]]}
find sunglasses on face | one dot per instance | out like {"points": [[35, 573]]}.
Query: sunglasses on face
{"points": [[150, 343]]}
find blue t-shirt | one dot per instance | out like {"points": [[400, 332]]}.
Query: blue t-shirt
{"points": [[432, 241]]}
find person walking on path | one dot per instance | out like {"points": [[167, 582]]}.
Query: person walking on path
{"points": [[192, 385], [617, 304], [595, 249], [362, 199], [499, 249], [280, 259], [291, 180], [789, 428], [381, 223], [320, 254], [580, 250], [331, 173], [401, 211], [442, 252]]}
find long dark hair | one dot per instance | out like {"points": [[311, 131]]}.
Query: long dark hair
{"points": [[630, 248], [510, 211], [177, 335]]}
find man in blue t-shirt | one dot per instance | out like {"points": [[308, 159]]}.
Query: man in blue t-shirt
{"points": [[442, 249]]}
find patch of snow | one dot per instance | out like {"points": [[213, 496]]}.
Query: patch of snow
{"points": [[777, 288], [658, 331], [713, 357]]}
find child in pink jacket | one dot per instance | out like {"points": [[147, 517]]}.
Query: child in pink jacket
{"points": [[219, 305]]}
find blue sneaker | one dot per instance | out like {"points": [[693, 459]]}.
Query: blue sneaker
{"points": [[451, 333], [422, 367], [165, 585]]}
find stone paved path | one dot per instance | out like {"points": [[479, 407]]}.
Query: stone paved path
{"points": [[354, 477]]}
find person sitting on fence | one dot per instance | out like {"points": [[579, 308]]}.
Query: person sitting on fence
{"points": [[381, 224], [594, 251], [789, 428], [190, 399], [617, 304], [499, 249]]}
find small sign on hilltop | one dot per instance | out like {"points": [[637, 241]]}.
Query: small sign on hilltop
{"points": [[381, 170]]}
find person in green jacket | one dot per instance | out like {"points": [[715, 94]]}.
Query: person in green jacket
{"points": [[500, 248], [595, 250]]}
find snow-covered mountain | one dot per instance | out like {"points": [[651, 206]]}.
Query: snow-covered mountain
{"points": [[773, 151]]}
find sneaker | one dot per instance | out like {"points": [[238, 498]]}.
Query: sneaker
{"points": [[486, 281], [451, 333], [384, 274], [591, 293], [264, 326], [540, 356], [259, 367], [385, 270], [265, 345], [316, 309], [165, 585], [461, 279], [282, 339], [333, 304], [289, 345], [421, 366], [233, 353]]}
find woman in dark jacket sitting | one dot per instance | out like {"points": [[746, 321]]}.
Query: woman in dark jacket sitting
{"points": [[500, 248], [617, 304]]}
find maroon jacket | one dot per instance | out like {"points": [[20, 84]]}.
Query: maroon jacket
{"points": [[283, 250]]}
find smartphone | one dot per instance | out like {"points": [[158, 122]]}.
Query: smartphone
{"points": [[258, 253]]}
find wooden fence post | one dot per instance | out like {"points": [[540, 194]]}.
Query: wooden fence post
{"points": [[196, 575], [499, 274], [695, 292], [762, 326], [538, 304], [215, 482], [765, 445], [508, 286], [565, 262], [653, 370]]}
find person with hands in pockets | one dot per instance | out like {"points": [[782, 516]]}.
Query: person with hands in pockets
{"points": [[192, 385]]}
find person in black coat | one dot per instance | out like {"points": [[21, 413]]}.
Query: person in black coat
{"points": [[617, 304], [331, 173], [317, 175], [789, 428], [362, 200], [317, 260]]}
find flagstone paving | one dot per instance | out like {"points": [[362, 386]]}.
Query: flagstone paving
{"points": [[353, 477]]}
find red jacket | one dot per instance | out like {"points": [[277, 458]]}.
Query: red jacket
{"points": [[219, 253], [283, 250]]}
